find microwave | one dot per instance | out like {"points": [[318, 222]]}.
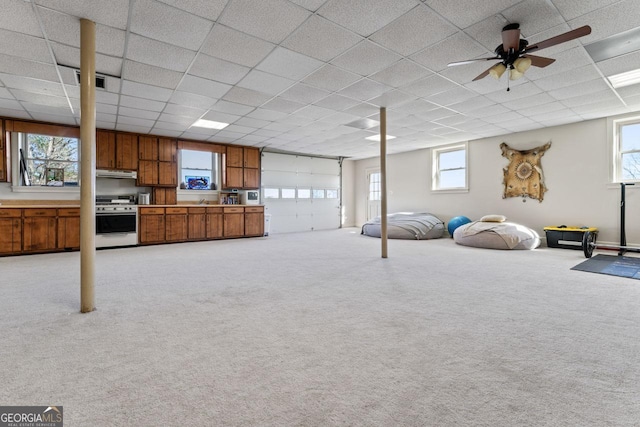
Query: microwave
{"points": [[250, 197]]}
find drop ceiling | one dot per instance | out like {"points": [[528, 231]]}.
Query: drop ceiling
{"points": [[309, 76]]}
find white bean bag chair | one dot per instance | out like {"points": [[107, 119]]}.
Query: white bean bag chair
{"points": [[406, 225], [496, 235]]}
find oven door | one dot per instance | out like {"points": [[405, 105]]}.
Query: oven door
{"points": [[116, 223]]}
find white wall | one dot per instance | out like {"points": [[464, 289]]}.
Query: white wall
{"points": [[348, 193], [576, 169]]}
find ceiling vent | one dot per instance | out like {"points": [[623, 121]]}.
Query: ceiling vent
{"points": [[101, 81]]}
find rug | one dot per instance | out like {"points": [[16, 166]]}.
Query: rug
{"points": [[622, 266]]}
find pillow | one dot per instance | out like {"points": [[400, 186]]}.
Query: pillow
{"points": [[493, 218]]}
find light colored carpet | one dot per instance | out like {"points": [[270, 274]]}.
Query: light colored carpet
{"points": [[315, 329]]}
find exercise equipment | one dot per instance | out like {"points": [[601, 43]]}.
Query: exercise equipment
{"points": [[456, 222], [589, 243]]}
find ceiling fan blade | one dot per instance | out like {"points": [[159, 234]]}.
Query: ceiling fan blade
{"points": [[564, 37], [469, 61], [539, 61], [483, 74], [511, 39]]}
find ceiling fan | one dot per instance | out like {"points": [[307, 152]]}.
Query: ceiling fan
{"points": [[514, 55]]}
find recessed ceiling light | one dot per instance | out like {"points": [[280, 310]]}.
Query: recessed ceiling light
{"points": [[209, 124], [625, 79], [377, 137]]}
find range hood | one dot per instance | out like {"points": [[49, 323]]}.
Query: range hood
{"points": [[107, 173]]}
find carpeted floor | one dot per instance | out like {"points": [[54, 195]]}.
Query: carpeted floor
{"points": [[315, 329]]}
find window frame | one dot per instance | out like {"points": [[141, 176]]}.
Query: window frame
{"points": [[615, 136], [435, 164], [215, 173]]}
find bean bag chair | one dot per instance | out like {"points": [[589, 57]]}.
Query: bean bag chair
{"points": [[496, 235], [406, 225]]}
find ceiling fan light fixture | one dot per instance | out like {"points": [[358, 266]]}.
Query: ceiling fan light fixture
{"points": [[522, 64], [514, 74], [497, 70]]}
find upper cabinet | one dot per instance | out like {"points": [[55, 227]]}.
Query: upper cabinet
{"points": [[116, 150], [241, 167], [158, 162]]}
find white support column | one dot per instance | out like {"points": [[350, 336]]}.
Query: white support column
{"points": [[87, 165]]}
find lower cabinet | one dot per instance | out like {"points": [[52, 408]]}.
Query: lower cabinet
{"points": [[176, 224], [39, 230], [10, 231], [233, 221], [151, 226], [69, 228], [215, 223], [254, 221], [197, 224]]}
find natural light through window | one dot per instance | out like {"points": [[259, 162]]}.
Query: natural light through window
{"points": [[50, 161], [629, 152], [450, 168]]}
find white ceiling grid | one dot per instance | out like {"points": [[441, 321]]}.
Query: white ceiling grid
{"points": [[294, 74]]}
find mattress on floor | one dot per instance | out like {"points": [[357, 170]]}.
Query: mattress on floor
{"points": [[406, 225]]}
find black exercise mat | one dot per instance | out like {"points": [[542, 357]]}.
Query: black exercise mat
{"points": [[622, 266]]}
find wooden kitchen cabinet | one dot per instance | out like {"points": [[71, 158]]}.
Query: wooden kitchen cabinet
{"points": [[233, 178], [251, 157], [254, 221], [39, 230], [234, 156], [197, 224], [167, 174], [152, 225], [69, 228], [147, 173], [215, 223], [10, 231], [147, 148], [233, 221], [251, 178], [176, 224], [116, 150], [165, 196], [167, 150], [126, 151], [158, 165], [241, 167]]}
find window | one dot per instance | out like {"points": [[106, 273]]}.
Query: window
{"points": [[374, 186], [332, 193], [198, 170], [271, 193], [450, 168], [46, 160], [627, 150], [304, 193], [318, 194], [288, 193]]}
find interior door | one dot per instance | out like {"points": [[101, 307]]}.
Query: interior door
{"points": [[373, 194]]}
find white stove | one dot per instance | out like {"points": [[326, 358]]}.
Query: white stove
{"points": [[116, 221]]}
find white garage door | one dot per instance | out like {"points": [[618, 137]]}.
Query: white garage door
{"points": [[300, 193]]}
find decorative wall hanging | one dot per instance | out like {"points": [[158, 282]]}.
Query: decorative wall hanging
{"points": [[523, 176]]}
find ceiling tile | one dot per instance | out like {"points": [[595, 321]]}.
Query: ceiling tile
{"points": [[529, 101], [216, 69], [365, 16], [400, 73], [153, 52], [331, 78], [458, 47], [156, 76], [540, 109], [231, 108], [135, 113], [152, 19], [620, 64], [35, 70], [10, 104], [609, 20], [392, 99], [62, 110], [178, 120], [113, 13], [522, 91], [321, 39], [265, 82], [205, 87], [283, 105], [577, 75], [366, 58], [234, 46], [271, 20], [287, 63], [253, 123], [192, 100], [70, 56], [364, 89], [220, 117], [301, 92], [311, 5], [65, 29], [571, 9], [53, 118], [534, 16], [488, 32], [264, 114], [413, 31], [463, 17], [471, 104], [465, 74], [429, 86], [106, 108], [565, 61], [24, 46], [336, 102], [142, 90], [125, 127], [451, 96], [209, 9], [246, 96], [135, 121], [32, 85], [584, 88], [314, 112], [164, 132], [591, 98], [181, 110], [17, 15], [243, 130]]}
